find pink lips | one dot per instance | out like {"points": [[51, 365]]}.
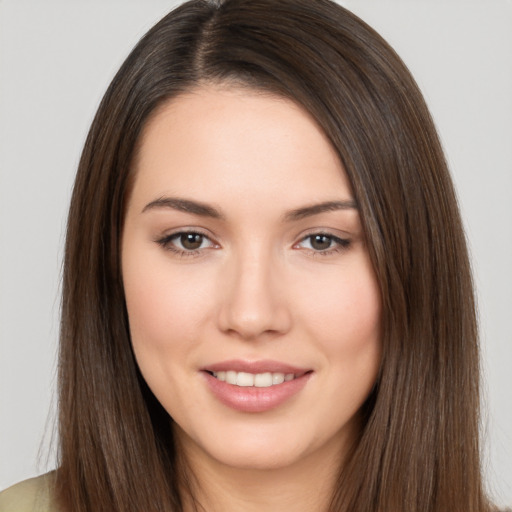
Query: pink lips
{"points": [[255, 399]]}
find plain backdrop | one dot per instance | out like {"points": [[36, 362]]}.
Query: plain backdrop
{"points": [[56, 60]]}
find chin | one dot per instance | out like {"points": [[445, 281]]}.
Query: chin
{"points": [[264, 447], [260, 458]]}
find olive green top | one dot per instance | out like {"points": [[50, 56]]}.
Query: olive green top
{"points": [[32, 495]]}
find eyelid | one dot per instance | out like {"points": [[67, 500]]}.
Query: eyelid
{"points": [[165, 241], [341, 243]]}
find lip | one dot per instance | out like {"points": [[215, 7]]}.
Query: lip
{"points": [[262, 366], [254, 399]]}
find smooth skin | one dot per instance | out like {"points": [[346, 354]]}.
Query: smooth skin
{"points": [[223, 258]]}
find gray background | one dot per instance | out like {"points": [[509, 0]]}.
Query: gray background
{"points": [[57, 58]]}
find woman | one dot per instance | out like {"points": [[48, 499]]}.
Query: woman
{"points": [[264, 245]]}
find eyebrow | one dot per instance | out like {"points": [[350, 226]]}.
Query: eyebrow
{"points": [[184, 205], [315, 209], [206, 210]]}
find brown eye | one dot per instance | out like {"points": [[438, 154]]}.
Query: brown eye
{"points": [[186, 243], [323, 243], [320, 242], [191, 241]]}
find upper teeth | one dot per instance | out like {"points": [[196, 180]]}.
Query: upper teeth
{"points": [[259, 380]]}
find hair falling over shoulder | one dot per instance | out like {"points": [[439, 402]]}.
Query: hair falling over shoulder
{"points": [[419, 446]]}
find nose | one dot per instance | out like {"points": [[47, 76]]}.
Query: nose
{"points": [[254, 295]]}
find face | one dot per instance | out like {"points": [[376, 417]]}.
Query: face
{"points": [[254, 311]]}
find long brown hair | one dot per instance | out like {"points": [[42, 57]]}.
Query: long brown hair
{"points": [[418, 449]]}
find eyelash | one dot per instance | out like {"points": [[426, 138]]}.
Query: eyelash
{"points": [[336, 246], [167, 242]]}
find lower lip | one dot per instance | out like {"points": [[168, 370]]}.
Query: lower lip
{"points": [[253, 399]]}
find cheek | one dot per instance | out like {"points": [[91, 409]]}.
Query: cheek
{"points": [[166, 308], [353, 343], [167, 312], [344, 320], [349, 335], [346, 311]]}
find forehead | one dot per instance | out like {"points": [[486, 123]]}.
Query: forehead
{"points": [[219, 140]]}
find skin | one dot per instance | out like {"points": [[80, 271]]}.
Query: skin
{"points": [[258, 287]]}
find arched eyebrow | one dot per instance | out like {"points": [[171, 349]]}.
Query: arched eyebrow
{"points": [[185, 205], [315, 209], [207, 210]]}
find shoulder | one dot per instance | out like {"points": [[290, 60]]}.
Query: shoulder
{"points": [[33, 495]]}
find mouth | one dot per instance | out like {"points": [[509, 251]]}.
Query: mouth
{"points": [[255, 386], [257, 380]]}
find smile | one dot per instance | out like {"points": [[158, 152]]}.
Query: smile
{"points": [[258, 380], [257, 386]]}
